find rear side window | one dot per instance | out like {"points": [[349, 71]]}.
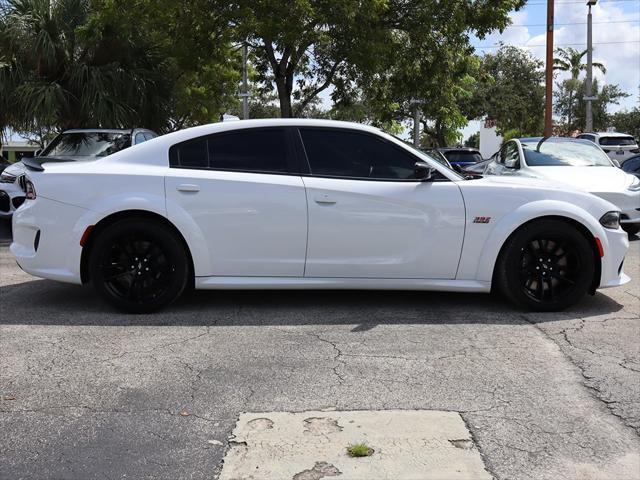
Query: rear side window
{"points": [[615, 141], [339, 153], [251, 150]]}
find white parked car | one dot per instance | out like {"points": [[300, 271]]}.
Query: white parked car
{"points": [[579, 164], [619, 146], [70, 145], [288, 203]]}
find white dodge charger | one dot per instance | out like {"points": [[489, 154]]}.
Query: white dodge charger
{"points": [[275, 204]]}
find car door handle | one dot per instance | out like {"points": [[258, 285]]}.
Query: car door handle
{"points": [[324, 199], [188, 187]]}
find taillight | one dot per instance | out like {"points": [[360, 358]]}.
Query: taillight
{"points": [[29, 190]]}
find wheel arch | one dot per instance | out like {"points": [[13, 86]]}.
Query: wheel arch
{"points": [[126, 214], [588, 235]]}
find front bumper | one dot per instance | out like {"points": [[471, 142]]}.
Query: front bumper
{"points": [[628, 202], [615, 246], [46, 239]]}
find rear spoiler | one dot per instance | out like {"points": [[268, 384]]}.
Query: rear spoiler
{"points": [[35, 163]]}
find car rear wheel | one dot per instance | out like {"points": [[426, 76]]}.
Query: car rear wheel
{"points": [[546, 265], [138, 265]]}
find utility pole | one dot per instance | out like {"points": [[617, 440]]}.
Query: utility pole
{"points": [[589, 85], [245, 85], [416, 121], [548, 109]]}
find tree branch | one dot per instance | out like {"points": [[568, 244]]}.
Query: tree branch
{"points": [[319, 89]]}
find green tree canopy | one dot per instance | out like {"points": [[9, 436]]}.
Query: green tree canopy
{"points": [[511, 91]]}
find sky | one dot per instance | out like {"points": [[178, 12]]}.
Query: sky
{"points": [[616, 40]]}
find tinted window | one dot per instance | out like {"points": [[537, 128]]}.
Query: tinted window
{"points": [[340, 153], [140, 138], [149, 135], [193, 154], [250, 150], [564, 153], [253, 150], [613, 141]]}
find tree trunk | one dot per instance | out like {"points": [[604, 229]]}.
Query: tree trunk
{"points": [[284, 96]]}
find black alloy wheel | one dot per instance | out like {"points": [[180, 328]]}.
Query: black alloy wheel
{"points": [[546, 265], [138, 265]]}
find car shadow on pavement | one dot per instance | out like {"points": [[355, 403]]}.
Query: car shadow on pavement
{"points": [[44, 302]]}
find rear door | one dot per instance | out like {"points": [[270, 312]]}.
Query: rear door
{"points": [[370, 217], [242, 190]]}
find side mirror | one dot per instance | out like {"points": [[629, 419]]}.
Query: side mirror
{"points": [[616, 162], [424, 171]]}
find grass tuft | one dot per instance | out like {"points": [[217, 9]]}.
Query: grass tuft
{"points": [[360, 450]]}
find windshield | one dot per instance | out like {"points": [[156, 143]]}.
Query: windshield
{"points": [[614, 141], [455, 157], [564, 153], [87, 144]]}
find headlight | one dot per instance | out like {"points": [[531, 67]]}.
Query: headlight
{"points": [[611, 220], [635, 185], [7, 178]]}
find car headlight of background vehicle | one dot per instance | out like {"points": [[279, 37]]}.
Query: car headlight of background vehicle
{"points": [[7, 178], [635, 185], [611, 220]]}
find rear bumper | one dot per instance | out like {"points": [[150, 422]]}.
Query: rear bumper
{"points": [[46, 239]]}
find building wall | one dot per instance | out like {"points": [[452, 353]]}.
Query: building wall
{"points": [[490, 141]]}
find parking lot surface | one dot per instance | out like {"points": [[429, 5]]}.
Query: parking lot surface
{"points": [[86, 392]]}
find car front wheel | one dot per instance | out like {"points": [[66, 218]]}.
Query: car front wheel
{"points": [[138, 265], [547, 265]]}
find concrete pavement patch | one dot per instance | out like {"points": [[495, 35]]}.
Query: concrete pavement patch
{"points": [[408, 444]]}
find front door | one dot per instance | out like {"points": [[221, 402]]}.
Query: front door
{"points": [[369, 217]]}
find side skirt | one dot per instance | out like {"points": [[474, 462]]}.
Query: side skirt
{"points": [[274, 283]]}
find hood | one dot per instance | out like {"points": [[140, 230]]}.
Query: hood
{"points": [[588, 179]]}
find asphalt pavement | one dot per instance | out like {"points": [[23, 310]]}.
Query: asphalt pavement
{"points": [[86, 392]]}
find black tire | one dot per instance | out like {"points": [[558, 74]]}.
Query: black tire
{"points": [[547, 265], [138, 265], [631, 229]]}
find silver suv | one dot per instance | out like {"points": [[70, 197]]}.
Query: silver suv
{"points": [[619, 146]]}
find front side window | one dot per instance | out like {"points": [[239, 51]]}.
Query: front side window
{"points": [[340, 153], [509, 154], [140, 138], [251, 150]]}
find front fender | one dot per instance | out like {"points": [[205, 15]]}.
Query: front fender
{"points": [[523, 214]]}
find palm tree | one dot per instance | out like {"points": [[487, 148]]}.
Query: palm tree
{"points": [[570, 60], [71, 71]]}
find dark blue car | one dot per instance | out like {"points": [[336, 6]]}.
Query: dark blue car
{"points": [[632, 165], [461, 157]]}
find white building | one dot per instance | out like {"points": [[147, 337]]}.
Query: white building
{"points": [[490, 141]]}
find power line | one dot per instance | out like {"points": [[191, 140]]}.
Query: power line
{"points": [[575, 23], [563, 45]]}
